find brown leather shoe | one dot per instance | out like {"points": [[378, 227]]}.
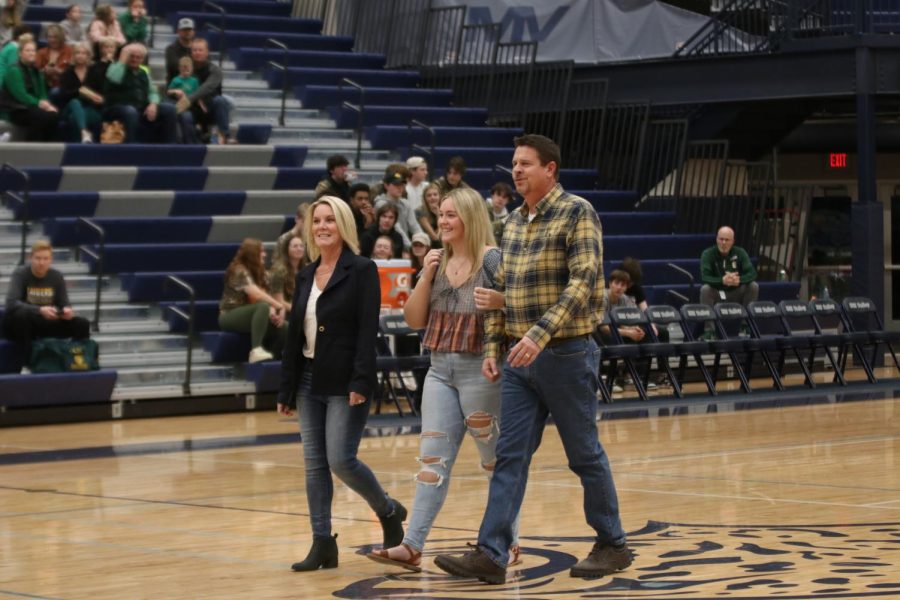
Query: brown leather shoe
{"points": [[410, 560], [474, 564], [603, 560]]}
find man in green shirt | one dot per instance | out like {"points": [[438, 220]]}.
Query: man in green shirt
{"points": [[726, 272], [133, 99]]}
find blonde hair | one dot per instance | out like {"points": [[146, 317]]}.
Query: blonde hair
{"points": [[345, 223], [478, 233], [40, 245], [186, 60]]}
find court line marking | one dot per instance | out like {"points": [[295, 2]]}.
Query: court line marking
{"points": [[27, 595], [755, 481]]}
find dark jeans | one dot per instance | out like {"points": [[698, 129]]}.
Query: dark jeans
{"points": [[217, 114], [138, 129], [40, 125], [24, 326], [331, 430], [562, 382]]}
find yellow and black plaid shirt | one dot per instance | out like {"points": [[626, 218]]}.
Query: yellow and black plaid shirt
{"points": [[551, 273]]}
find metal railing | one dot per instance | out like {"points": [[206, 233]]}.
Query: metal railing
{"points": [[220, 28], [24, 200], [658, 168], [189, 317], [621, 143], [361, 112], [273, 43], [101, 236], [698, 187], [417, 123], [152, 10]]}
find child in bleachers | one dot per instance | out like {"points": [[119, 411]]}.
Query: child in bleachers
{"points": [[384, 248], [134, 22], [71, 25], [105, 25], [10, 18], [185, 84]]}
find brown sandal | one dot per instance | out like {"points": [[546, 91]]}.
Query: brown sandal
{"points": [[412, 563]]}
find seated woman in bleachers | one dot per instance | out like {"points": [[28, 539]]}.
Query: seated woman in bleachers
{"points": [[427, 214], [383, 249], [9, 54], [25, 97], [72, 25], [105, 25], [247, 306], [10, 18], [54, 59], [133, 22], [79, 96], [283, 274]]}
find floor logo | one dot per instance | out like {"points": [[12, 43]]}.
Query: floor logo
{"points": [[682, 561]]}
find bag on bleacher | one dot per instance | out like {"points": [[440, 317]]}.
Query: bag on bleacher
{"points": [[113, 132], [56, 355]]}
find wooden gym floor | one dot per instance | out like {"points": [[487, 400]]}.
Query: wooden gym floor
{"points": [[797, 496]]}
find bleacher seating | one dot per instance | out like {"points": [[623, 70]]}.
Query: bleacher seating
{"points": [[54, 389]]}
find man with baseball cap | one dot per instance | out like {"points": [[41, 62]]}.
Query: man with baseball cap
{"points": [[394, 185], [418, 181], [180, 47]]}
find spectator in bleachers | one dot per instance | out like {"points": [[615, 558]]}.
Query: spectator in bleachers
{"points": [[384, 248], [385, 221], [427, 214], [82, 103], [394, 186], [54, 58], [180, 48], [9, 55], [418, 181], [27, 102], [338, 181], [295, 231], [453, 176], [10, 18], [501, 196], [329, 369], [132, 99], [291, 258], [421, 244], [37, 303], [727, 273], [97, 73], [133, 22], [614, 296], [105, 25], [361, 205], [208, 108], [247, 306], [185, 83], [72, 25], [635, 290]]}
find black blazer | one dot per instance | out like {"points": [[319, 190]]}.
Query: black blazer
{"points": [[347, 315]]}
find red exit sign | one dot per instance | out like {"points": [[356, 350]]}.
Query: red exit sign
{"points": [[837, 160]]}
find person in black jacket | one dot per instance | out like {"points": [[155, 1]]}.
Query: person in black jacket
{"points": [[329, 362]]}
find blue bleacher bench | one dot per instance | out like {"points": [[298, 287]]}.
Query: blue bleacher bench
{"points": [[54, 389]]}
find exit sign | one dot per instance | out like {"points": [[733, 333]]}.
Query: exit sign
{"points": [[837, 160]]}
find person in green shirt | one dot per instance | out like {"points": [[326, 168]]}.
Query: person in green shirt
{"points": [[726, 272], [26, 100], [9, 54], [132, 99], [134, 22]]}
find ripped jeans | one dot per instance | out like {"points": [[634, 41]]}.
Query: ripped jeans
{"points": [[456, 399]]}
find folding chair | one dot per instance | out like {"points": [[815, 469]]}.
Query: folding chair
{"points": [[766, 323], [621, 316], [391, 367], [696, 317], [861, 317], [799, 314], [731, 316], [662, 315]]}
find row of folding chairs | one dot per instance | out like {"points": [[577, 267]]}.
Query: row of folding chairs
{"points": [[763, 329]]}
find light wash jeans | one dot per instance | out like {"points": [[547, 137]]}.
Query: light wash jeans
{"points": [[561, 382], [331, 430], [456, 399]]}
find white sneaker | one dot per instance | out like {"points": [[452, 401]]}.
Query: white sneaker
{"points": [[259, 354], [5, 137], [617, 389], [87, 138]]}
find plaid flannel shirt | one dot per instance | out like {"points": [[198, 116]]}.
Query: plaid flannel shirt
{"points": [[551, 273]]}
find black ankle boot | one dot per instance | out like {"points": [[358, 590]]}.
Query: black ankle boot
{"points": [[323, 554], [392, 526]]}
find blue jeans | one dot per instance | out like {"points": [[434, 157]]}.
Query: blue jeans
{"points": [[218, 110], [561, 382], [331, 430], [137, 128], [456, 399]]}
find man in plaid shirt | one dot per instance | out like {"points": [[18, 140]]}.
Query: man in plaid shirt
{"points": [[552, 277]]}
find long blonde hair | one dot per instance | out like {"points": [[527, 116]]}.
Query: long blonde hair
{"points": [[478, 233], [343, 217]]}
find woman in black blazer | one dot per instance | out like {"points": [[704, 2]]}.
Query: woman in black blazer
{"points": [[329, 362]]}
